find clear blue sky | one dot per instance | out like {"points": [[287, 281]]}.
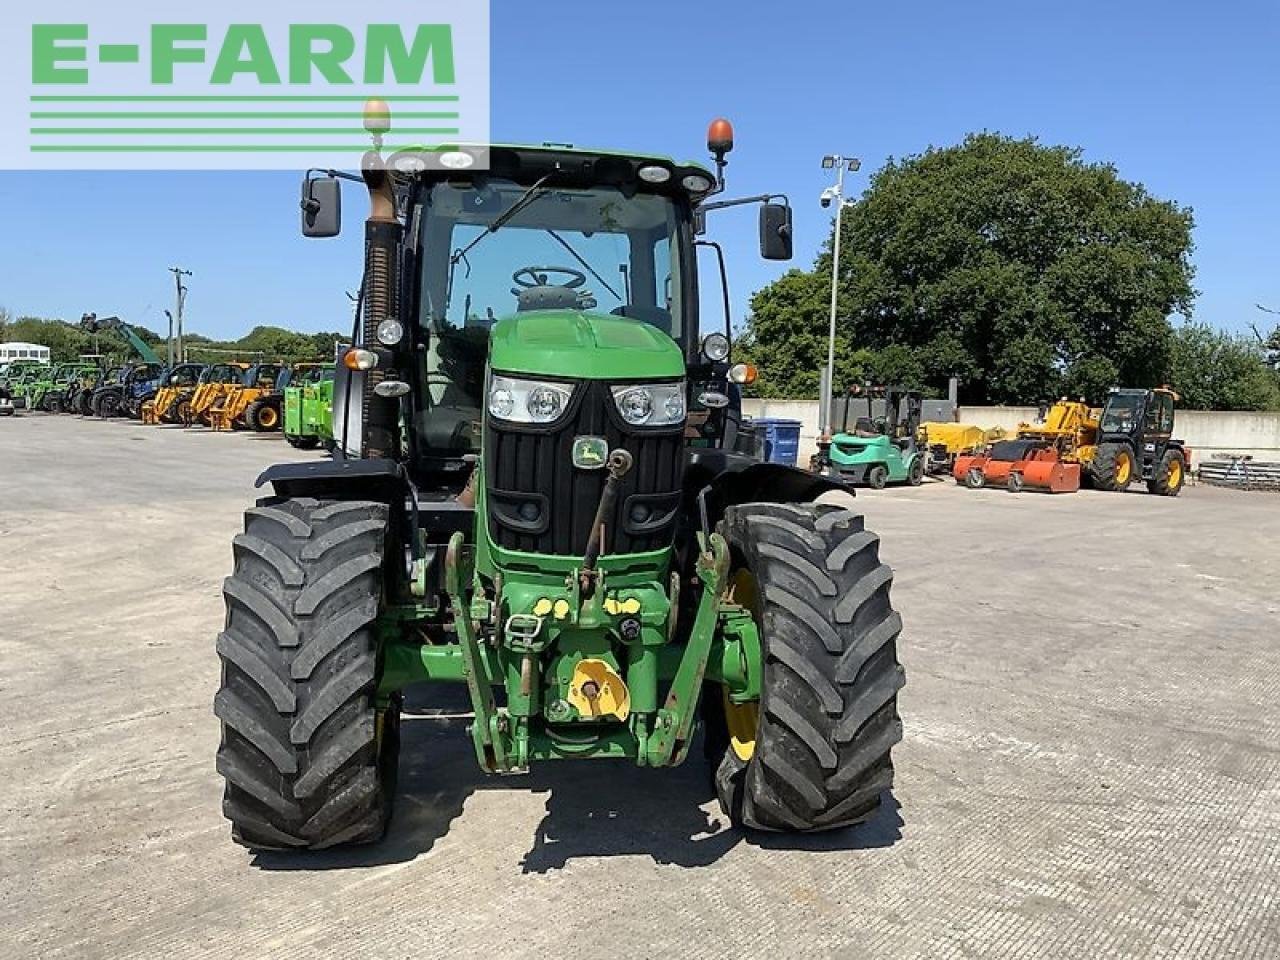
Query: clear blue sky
{"points": [[1183, 96]]}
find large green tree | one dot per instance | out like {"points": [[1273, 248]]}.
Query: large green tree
{"points": [[1213, 370], [1018, 267]]}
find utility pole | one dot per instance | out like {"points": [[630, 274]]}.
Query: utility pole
{"points": [[832, 195], [178, 274]]}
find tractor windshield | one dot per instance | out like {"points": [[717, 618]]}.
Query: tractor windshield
{"points": [[594, 249], [1121, 413], [599, 249]]}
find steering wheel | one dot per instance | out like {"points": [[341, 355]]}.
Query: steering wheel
{"points": [[530, 277]]}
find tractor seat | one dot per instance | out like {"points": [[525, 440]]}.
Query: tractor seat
{"points": [[653, 316]]}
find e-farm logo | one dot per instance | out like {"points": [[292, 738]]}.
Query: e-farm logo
{"points": [[142, 88]]}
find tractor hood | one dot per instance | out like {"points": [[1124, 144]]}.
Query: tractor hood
{"points": [[583, 346]]}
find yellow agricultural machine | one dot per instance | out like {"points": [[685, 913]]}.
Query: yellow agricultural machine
{"points": [[215, 383], [254, 403], [179, 383], [1049, 455]]}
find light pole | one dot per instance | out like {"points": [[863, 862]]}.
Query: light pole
{"points": [[829, 196]]}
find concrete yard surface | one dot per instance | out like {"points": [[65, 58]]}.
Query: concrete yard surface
{"points": [[1091, 763]]}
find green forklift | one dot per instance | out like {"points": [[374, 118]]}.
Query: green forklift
{"points": [[532, 497], [875, 442], [308, 406]]}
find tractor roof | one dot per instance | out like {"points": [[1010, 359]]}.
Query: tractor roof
{"points": [[572, 166]]}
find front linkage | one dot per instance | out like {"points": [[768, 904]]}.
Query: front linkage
{"points": [[551, 652]]}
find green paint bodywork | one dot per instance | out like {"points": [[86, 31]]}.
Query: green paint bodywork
{"points": [[565, 344], [308, 406], [854, 456]]}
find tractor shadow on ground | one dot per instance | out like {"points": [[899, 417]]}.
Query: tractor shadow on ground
{"points": [[600, 809]]}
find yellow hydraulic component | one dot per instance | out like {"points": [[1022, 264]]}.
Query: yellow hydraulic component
{"points": [[548, 607], [1070, 426], [596, 690], [613, 606]]}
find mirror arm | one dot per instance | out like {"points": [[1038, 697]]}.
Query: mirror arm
{"points": [[742, 201]]}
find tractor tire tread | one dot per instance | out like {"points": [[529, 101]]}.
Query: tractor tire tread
{"points": [[828, 717], [299, 672]]}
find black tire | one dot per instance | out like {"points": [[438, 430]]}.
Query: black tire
{"points": [[915, 475], [828, 714], [182, 412], [263, 415], [975, 479], [877, 476], [1108, 468], [1169, 475], [309, 761], [106, 405], [302, 443], [1015, 483]]}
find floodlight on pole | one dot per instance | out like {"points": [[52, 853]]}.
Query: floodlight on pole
{"points": [[832, 194]]}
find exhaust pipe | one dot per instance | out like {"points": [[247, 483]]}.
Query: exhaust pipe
{"points": [[381, 295]]}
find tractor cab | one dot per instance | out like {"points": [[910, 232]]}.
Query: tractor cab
{"points": [[875, 439], [1136, 442]]}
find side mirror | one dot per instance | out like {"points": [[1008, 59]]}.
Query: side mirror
{"points": [[321, 207], [775, 231]]}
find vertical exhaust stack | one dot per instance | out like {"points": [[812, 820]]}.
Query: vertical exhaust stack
{"points": [[382, 239]]}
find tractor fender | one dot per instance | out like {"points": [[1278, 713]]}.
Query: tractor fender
{"points": [[731, 478], [379, 479]]}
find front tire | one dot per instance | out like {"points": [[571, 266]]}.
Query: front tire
{"points": [[262, 416], [915, 475], [308, 756], [828, 717], [1169, 475], [1113, 467]]}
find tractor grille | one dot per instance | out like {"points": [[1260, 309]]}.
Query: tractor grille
{"points": [[539, 502]]}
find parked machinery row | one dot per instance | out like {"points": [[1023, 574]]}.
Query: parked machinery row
{"points": [[1129, 439], [222, 396]]}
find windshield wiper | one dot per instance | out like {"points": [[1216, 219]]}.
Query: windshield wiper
{"points": [[502, 219]]}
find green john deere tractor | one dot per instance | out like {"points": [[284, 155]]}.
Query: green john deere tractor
{"points": [[875, 441], [533, 498], [308, 406]]}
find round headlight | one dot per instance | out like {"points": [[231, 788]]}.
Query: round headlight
{"points": [[544, 403], [501, 403], [654, 174], [636, 406], [696, 183], [674, 406], [715, 347], [390, 332]]}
